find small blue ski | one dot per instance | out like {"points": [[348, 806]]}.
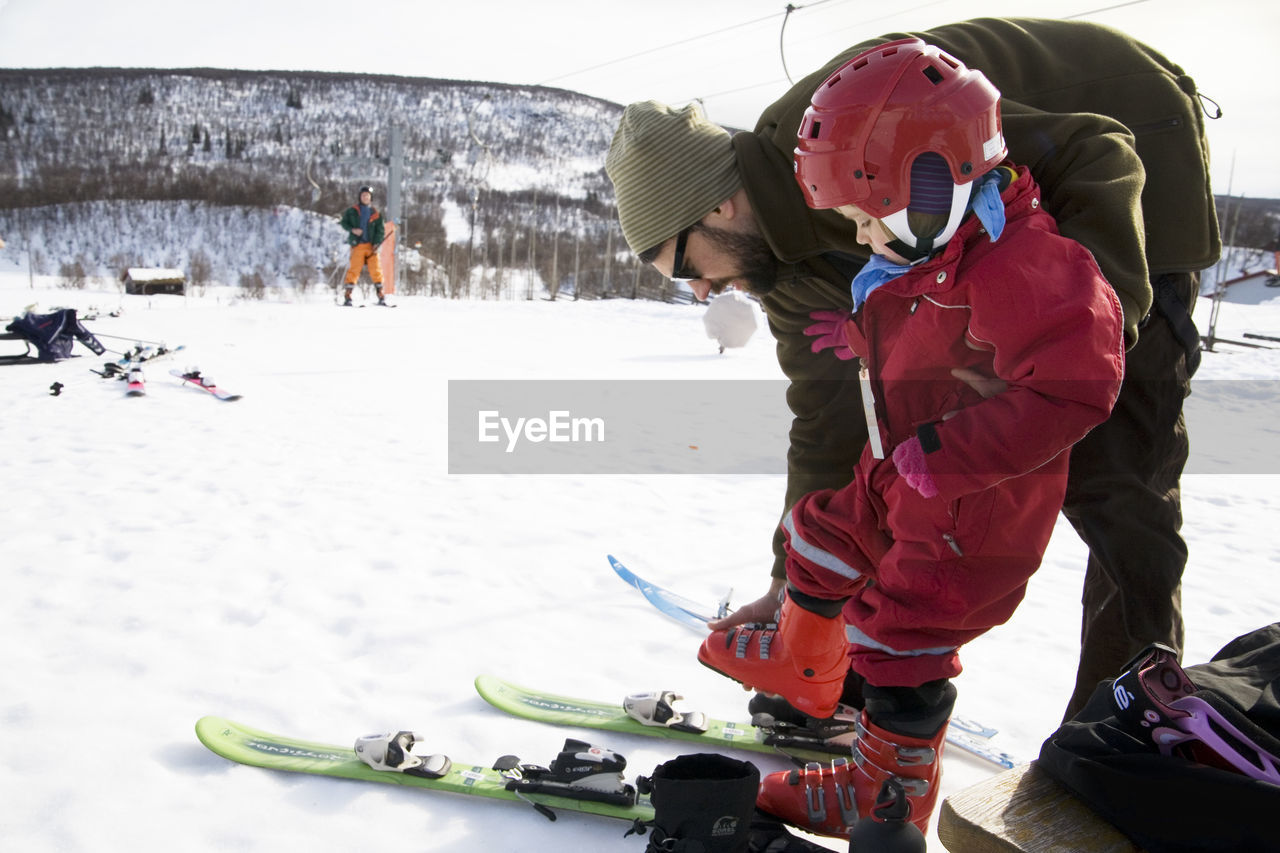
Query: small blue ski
{"points": [[683, 610]]}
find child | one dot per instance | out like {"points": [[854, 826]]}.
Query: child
{"points": [[989, 344]]}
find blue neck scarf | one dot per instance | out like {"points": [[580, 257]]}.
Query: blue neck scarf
{"points": [[874, 273], [986, 205]]}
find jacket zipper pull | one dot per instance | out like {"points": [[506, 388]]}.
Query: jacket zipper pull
{"points": [[869, 410]]}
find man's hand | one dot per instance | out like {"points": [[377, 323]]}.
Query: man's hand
{"points": [[987, 386], [359, 232], [763, 609]]}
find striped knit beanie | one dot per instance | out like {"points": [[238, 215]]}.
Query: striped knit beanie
{"points": [[669, 169]]}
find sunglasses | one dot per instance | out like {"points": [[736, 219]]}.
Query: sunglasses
{"points": [[678, 272]]}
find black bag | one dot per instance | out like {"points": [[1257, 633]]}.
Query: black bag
{"points": [[1169, 803], [702, 803]]}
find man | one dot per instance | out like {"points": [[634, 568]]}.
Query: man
{"points": [[365, 233], [1112, 132]]}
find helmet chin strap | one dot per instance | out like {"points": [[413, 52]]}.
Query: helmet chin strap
{"points": [[923, 247]]}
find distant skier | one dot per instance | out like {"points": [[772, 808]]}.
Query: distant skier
{"points": [[365, 233], [730, 319]]}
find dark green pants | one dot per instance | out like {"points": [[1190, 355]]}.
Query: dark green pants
{"points": [[1123, 499]]}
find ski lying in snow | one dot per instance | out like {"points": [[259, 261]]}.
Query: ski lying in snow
{"points": [[683, 610], [694, 727], [147, 352], [132, 360], [654, 715], [508, 779], [136, 383], [195, 380]]}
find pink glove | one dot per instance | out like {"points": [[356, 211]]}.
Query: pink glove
{"points": [[909, 457], [829, 329]]}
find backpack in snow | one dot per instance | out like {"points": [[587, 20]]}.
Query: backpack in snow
{"points": [[53, 335], [1182, 761]]}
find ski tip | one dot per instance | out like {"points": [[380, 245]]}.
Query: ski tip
{"points": [[623, 572], [209, 727]]}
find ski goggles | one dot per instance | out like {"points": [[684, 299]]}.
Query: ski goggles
{"points": [[1156, 701]]}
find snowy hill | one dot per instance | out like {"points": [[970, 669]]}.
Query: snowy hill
{"points": [[303, 560], [495, 175]]}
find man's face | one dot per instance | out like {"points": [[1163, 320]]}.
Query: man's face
{"points": [[366, 197], [715, 258]]}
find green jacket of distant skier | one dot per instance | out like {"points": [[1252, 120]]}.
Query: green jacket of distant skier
{"points": [[375, 233]]}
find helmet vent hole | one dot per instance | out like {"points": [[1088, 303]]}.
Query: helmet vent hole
{"points": [[934, 75], [833, 81], [815, 129]]}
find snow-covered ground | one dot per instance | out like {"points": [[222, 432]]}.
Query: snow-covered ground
{"points": [[302, 560]]}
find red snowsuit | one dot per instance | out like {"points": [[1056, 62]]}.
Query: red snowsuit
{"points": [[925, 575]]}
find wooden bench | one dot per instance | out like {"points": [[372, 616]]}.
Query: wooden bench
{"points": [[14, 357], [1023, 810]]}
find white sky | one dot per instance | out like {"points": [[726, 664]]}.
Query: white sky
{"points": [[723, 51]]}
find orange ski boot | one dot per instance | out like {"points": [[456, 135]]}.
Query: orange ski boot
{"points": [[831, 800], [803, 658]]}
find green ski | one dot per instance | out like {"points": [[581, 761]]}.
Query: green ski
{"points": [[798, 743], [275, 752], [712, 733]]}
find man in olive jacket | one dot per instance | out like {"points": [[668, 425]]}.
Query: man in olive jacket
{"points": [[1113, 132]]}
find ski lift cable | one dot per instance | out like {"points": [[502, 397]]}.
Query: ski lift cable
{"points": [[662, 47], [782, 51], [782, 31], [1104, 9], [793, 8]]}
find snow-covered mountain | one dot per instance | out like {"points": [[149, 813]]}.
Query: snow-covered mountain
{"points": [[495, 175]]}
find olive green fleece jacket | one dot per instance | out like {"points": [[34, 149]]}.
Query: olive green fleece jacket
{"points": [[1112, 131]]}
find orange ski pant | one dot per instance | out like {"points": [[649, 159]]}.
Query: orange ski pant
{"points": [[361, 254]]}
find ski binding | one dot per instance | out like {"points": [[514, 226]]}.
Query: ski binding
{"points": [[581, 772], [397, 752], [655, 709]]}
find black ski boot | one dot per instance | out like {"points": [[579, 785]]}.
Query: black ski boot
{"points": [[703, 803]]}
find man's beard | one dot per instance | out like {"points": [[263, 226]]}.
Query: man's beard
{"points": [[757, 265]]}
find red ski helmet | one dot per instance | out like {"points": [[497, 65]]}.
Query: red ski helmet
{"points": [[868, 122]]}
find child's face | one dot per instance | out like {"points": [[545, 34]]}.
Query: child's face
{"points": [[871, 232]]}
